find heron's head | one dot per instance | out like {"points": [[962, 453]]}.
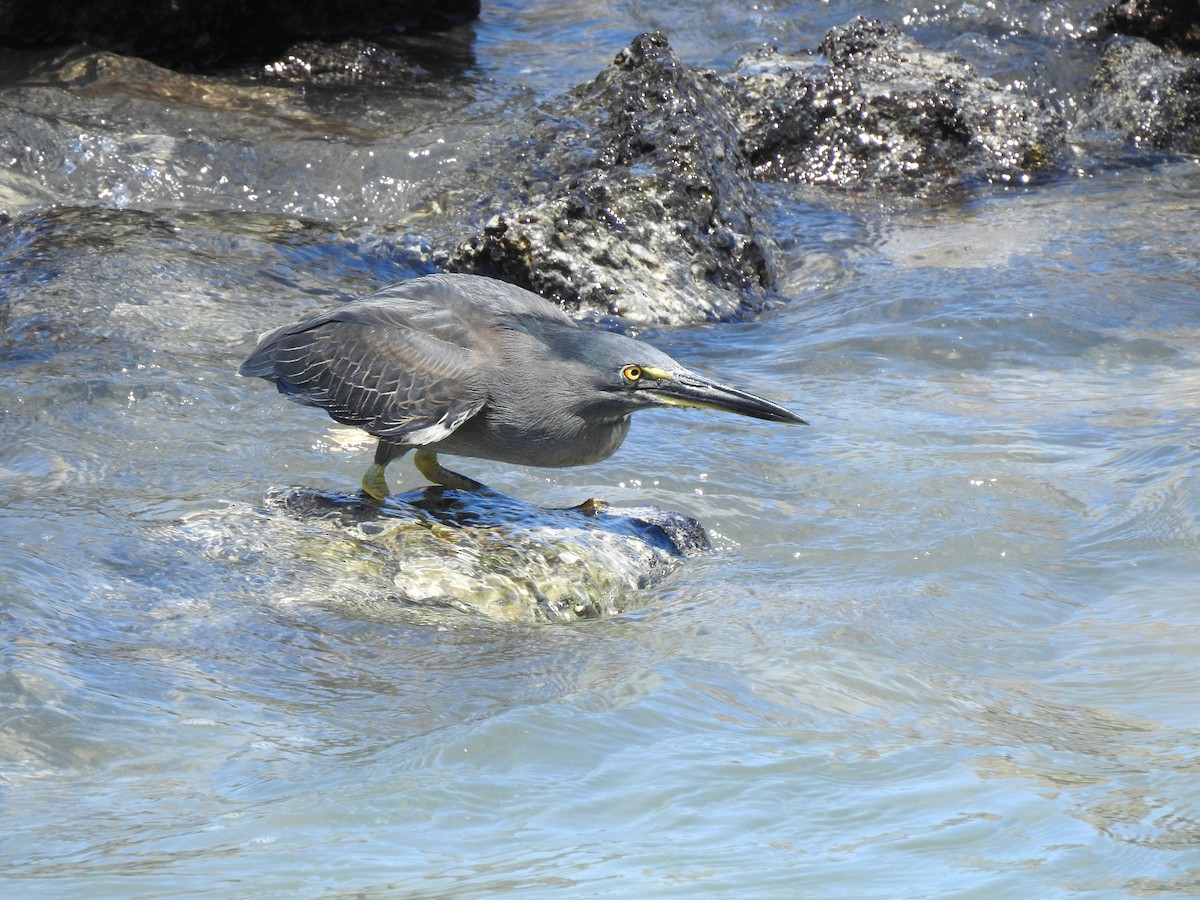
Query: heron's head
{"points": [[628, 375]]}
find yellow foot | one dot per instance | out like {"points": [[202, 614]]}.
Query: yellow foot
{"points": [[427, 462], [374, 483]]}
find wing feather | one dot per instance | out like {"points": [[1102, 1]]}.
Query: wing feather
{"points": [[399, 367]]}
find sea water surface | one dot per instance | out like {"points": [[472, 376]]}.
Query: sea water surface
{"points": [[948, 646]]}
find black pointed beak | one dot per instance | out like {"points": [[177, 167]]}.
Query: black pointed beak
{"points": [[690, 389]]}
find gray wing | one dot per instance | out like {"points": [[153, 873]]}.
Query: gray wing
{"points": [[400, 367]]}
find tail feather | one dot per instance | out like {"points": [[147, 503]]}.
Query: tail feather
{"points": [[259, 365]]}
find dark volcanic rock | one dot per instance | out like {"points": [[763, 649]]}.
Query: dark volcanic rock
{"points": [[880, 111], [631, 197], [1147, 96], [201, 33], [634, 194], [1174, 24]]}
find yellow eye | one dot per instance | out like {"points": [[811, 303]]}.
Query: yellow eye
{"points": [[632, 374]]}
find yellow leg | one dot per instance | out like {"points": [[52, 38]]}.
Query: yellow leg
{"points": [[374, 482], [427, 462]]}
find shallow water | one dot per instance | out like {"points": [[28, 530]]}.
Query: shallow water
{"points": [[948, 647]]}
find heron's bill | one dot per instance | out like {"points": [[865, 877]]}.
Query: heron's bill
{"points": [[691, 390]]}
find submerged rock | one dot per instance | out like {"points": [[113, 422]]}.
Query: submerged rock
{"points": [[351, 62], [630, 197], [1147, 96], [397, 60], [880, 111], [489, 553]]}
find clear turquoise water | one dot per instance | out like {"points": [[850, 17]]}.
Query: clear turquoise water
{"points": [[948, 648]]}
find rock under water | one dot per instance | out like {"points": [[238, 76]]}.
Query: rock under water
{"points": [[494, 555]]}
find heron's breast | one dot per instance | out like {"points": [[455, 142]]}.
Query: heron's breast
{"points": [[558, 444]]}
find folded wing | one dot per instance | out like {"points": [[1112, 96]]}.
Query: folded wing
{"points": [[395, 366]]}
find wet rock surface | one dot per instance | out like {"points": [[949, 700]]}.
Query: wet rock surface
{"points": [[1147, 96], [878, 111], [631, 198], [635, 195]]}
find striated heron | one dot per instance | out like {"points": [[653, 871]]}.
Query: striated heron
{"points": [[471, 366]]}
